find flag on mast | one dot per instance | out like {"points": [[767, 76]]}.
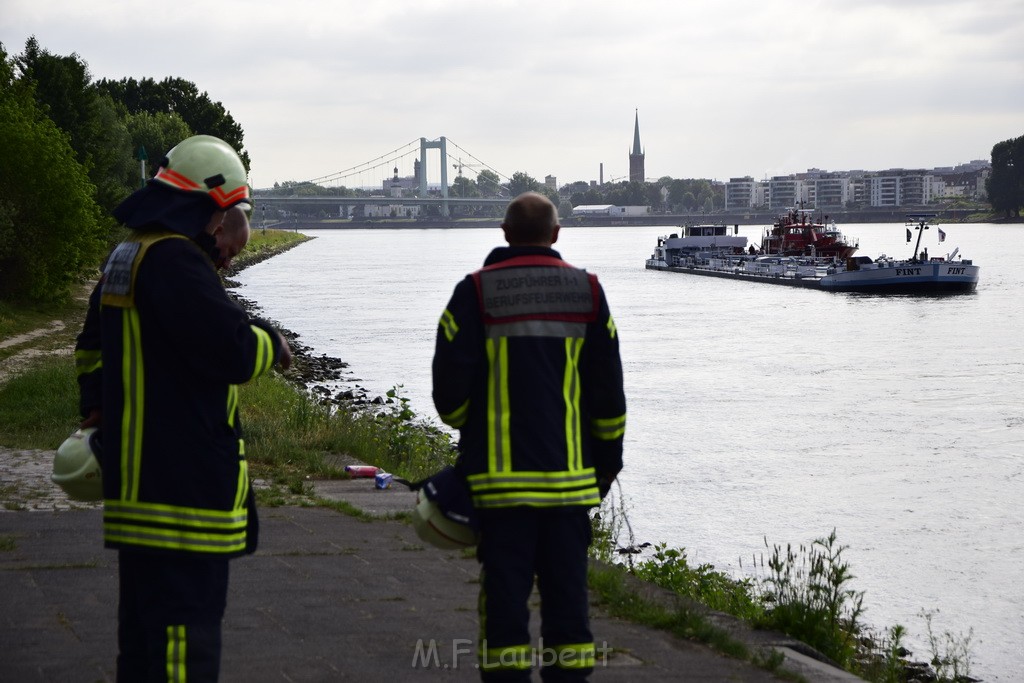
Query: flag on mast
{"points": [[942, 236]]}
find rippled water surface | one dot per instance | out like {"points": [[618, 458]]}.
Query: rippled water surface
{"points": [[756, 411]]}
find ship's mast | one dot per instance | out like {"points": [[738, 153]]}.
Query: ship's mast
{"points": [[922, 224]]}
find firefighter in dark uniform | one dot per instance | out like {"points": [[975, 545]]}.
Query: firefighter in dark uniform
{"points": [[527, 367], [159, 358]]}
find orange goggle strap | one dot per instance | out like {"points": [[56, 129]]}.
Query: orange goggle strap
{"points": [[223, 199]]}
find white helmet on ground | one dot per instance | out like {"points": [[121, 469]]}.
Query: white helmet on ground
{"points": [[76, 468]]}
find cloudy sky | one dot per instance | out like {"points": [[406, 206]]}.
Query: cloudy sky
{"points": [[723, 89]]}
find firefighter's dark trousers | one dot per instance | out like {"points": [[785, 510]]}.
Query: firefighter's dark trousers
{"points": [[169, 617], [518, 544]]}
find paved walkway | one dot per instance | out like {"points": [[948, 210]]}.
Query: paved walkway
{"points": [[327, 597]]}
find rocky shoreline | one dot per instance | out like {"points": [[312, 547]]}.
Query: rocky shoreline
{"points": [[319, 374]]}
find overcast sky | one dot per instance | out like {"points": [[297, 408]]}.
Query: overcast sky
{"points": [[723, 88]]}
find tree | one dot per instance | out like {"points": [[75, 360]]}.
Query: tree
{"points": [[564, 208], [156, 133], [1005, 186], [522, 182], [51, 229], [677, 193], [551, 193], [201, 114], [62, 88], [489, 183], [464, 187], [577, 187]]}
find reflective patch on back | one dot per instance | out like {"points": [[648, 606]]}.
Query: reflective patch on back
{"points": [[117, 276], [513, 292]]}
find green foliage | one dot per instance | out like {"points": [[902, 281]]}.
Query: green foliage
{"points": [[62, 87], [201, 114], [51, 230], [522, 182], [156, 133], [885, 664], [622, 600], [489, 183], [951, 654], [1005, 186], [808, 597], [289, 432], [670, 568]]}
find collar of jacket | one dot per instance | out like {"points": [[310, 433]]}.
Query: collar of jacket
{"points": [[201, 239], [505, 253]]}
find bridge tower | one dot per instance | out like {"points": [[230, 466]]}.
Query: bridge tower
{"points": [[441, 144]]}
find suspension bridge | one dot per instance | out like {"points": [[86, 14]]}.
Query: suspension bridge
{"points": [[410, 191]]}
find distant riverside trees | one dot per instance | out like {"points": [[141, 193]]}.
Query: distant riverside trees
{"points": [[1005, 186]]}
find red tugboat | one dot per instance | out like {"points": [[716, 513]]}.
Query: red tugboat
{"points": [[797, 234]]}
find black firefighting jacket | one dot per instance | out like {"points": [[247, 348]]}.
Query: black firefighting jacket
{"points": [[161, 353], [526, 366]]}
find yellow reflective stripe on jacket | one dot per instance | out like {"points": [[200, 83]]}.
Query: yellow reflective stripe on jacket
{"points": [[87, 360], [608, 429], [448, 324], [161, 513], [537, 328], [612, 330], [488, 481], [174, 539], [177, 651], [133, 386], [587, 497], [499, 440], [535, 489], [264, 352], [571, 656], [571, 396], [511, 658], [457, 417], [232, 407], [242, 492], [171, 527]]}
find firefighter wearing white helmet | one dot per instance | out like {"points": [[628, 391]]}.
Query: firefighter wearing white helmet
{"points": [[159, 360], [206, 164], [75, 467]]}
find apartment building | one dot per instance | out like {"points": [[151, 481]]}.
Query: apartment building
{"points": [[889, 188], [740, 193]]}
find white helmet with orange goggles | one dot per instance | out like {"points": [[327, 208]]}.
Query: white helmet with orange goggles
{"points": [[204, 163]]}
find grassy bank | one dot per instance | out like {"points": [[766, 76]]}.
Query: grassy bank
{"points": [[293, 437]]}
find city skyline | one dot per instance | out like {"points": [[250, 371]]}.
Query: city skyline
{"points": [[722, 90]]}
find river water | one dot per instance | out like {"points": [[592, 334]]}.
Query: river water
{"points": [[757, 412]]}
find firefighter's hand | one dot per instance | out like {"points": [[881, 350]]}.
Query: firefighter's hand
{"points": [[604, 485], [94, 419], [285, 359]]}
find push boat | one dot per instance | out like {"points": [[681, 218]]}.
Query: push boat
{"points": [[796, 233], [694, 254]]}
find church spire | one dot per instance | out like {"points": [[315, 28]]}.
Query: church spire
{"points": [[636, 134], [636, 157]]}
